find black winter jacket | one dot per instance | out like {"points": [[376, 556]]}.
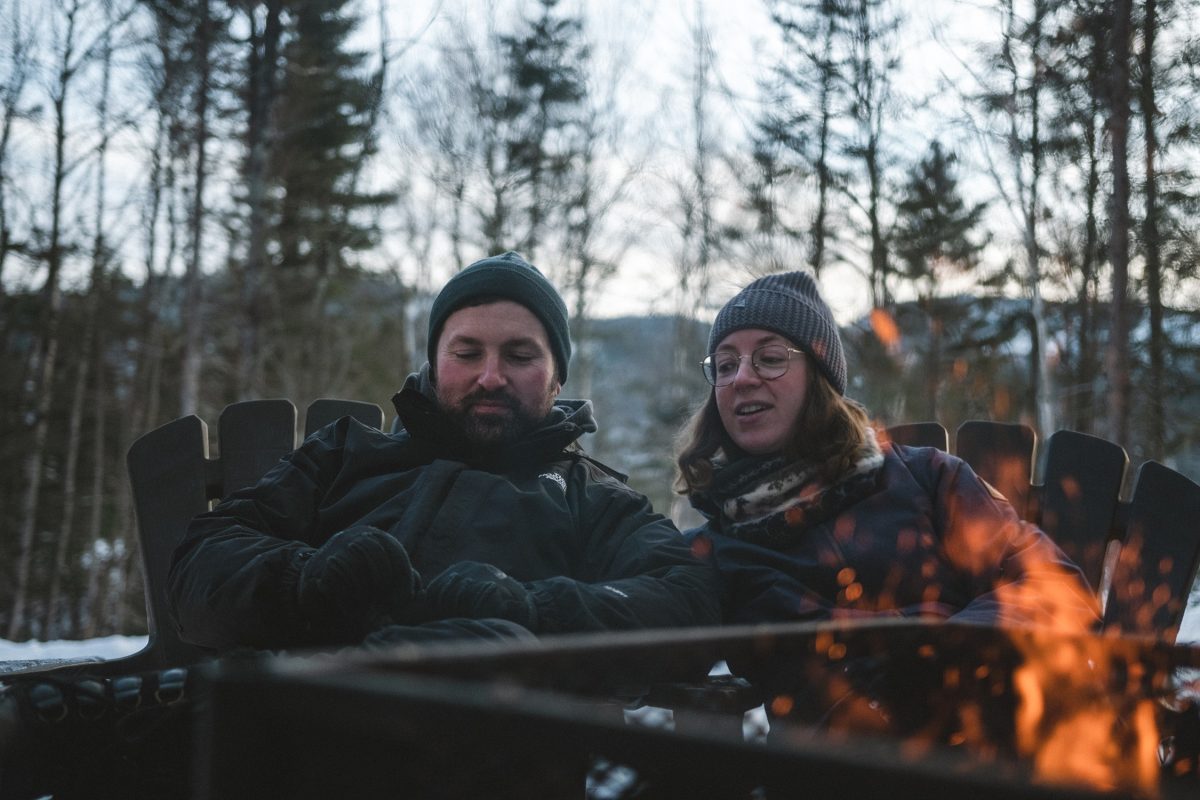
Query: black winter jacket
{"points": [[932, 540], [592, 552]]}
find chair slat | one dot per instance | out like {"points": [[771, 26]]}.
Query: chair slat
{"points": [[168, 472], [1159, 555], [1080, 494], [325, 410], [1002, 454], [920, 434], [253, 435]]}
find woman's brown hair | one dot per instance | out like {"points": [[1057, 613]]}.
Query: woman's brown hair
{"points": [[833, 429]]}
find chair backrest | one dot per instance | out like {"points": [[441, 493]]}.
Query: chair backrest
{"points": [[1079, 499], [1002, 454], [920, 434], [999, 452], [174, 479], [326, 410], [1160, 554]]}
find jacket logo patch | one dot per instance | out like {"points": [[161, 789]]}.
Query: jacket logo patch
{"points": [[559, 479]]}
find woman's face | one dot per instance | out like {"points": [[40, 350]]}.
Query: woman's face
{"points": [[761, 416]]}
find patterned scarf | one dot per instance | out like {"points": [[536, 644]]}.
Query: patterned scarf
{"points": [[773, 501]]}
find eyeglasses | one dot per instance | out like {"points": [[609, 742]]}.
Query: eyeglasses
{"points": [[770, 361]]}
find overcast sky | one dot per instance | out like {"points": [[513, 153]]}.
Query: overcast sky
{"points": [[653, 40]]}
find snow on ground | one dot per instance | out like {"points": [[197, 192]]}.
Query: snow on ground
{"points": [[103, 647]]}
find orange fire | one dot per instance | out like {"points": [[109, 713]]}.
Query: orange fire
{"points": [[1073, 725], [886, 329]]}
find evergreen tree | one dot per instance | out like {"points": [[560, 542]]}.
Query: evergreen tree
{"points": [[933, 235], [545, 100], [323, 134], [792, 138]]}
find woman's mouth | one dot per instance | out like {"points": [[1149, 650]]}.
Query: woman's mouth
{"points": [[748, 409]]}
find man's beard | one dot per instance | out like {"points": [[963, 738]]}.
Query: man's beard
{"points": [[495, 429]]}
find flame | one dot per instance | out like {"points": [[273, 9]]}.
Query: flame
{"points": [[1073, 725], [886, 329]]}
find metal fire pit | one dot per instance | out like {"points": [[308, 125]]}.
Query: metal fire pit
{"points": [[857, 710]]}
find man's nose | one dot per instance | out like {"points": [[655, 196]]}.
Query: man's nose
{"points": [[492, 376]]}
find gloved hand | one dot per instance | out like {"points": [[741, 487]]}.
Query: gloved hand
{"points": [[359, 580], [477, 591]]}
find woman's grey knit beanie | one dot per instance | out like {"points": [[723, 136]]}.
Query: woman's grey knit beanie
{"points": [[787, 304]]}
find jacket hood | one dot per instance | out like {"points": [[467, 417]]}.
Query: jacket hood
{"points": [[416, 406]]}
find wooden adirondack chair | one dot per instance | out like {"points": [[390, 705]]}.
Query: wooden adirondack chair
{"points": [[1078, 503], [174, 479]]}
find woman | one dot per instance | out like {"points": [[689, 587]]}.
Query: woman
{"points": [[809, 517]]}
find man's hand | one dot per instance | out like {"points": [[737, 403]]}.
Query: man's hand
{"points": [[359, 580], [477, 591]]}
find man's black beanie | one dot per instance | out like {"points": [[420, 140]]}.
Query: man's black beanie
{"points": [[510, 277]]}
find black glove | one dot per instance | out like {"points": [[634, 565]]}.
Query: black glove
{"points": [[475, 590], [359, 580]]}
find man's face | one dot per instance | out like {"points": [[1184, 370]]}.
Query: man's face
{"points": [[495, 373]]}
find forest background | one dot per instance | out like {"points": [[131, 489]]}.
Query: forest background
{"points": [[204, 201]]}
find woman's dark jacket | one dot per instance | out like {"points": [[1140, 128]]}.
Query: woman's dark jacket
{"points": [[930, 539], [591, 551]]}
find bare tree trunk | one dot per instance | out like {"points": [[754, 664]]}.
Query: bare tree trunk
{"points": [[1040, 374], [1085, 376], [44, 362], [189, 382], [98, 495], [54, 604], [694, 261], [870, 100], [1155, 417], [820, 232], [19, 65], [263, 63], [933, 365], [1117, 352]]}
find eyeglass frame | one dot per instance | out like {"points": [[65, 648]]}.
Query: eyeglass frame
{"points": [[752, 355]]}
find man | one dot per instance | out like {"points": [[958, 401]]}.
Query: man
{"points": [[481, 518]]}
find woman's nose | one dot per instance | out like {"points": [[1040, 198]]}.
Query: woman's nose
{"points": [[746, 373]]}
